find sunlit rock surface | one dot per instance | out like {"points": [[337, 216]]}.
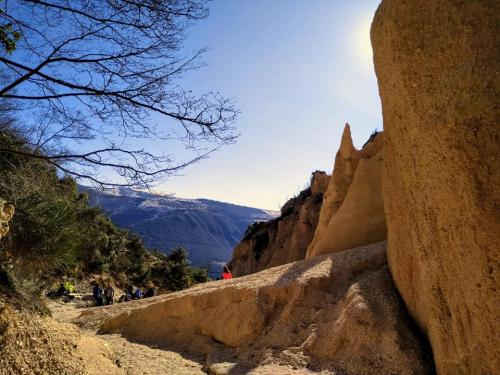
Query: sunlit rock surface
{"points": [[284, 239], [352, 213], [338, 312], [438, 66]]}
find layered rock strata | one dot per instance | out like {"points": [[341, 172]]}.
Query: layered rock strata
{"points": [[438, 67], [284, 239]]}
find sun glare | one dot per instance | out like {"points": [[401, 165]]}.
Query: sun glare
{"points": [[362, 39]]}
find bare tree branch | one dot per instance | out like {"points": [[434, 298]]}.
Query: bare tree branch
{"points": [[95, 69]]}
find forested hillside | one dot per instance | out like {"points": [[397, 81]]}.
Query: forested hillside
{"points": [[207, 229], [55, 235]]}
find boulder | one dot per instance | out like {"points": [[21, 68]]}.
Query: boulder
{"points": [[438, 67], [338, 313], [352, 213]]}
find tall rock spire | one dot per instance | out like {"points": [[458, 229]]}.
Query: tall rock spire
{"points": [[364, 221]]}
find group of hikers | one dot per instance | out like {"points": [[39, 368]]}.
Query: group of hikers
{"points": [[130, 294], [103, 297], [107, 296]]}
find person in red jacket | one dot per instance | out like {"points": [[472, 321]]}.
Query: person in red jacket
{"points": [[226, 274]]}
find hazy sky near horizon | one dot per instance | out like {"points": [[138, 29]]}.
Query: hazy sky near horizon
{"points": [[298, 70]]}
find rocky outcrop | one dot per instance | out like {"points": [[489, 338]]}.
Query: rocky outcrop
{"points": [[351, 213], [438, 66], [353, 210], [284, 239], [338, 312]]}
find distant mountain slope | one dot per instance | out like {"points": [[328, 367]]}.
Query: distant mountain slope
{"points": [[207, 229]]}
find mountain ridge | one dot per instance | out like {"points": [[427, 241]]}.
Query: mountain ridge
{"points": [[207, 229]]}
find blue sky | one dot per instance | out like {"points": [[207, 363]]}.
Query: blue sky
{"points": [[299, 70]]}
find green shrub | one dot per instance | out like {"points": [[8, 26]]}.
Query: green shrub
{"points": [[54, 233], [198, 275], [173, 271]]}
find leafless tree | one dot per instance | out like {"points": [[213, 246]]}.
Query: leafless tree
{"points": [[106, 72]]}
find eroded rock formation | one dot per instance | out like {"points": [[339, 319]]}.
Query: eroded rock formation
{"points": [[336, 312], [335, 213], [438, 66], [284, 239], [353, 210]]}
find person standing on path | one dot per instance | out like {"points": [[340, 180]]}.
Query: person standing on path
{"points": [[110, 294], [226, 273], [97, 294]]}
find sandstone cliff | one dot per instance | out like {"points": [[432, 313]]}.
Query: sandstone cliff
{"points": [[352, 213], [336, 313], [438, 67], [284, 239]]}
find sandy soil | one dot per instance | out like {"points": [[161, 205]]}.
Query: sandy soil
{"points": [[132, 358], [35, 345], [337, 313], [138, 359]]}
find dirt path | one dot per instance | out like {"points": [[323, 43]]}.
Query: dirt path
{"points": [[137, 359], [134, 359], [337, 313]]}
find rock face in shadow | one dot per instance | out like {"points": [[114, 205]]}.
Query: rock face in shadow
{"points": [[353, 209], [338, 312], [437, 65], [284, 239]]}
